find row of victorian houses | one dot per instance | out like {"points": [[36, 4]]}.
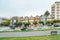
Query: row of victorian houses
{"points": [[27, 19], [30, 19]]}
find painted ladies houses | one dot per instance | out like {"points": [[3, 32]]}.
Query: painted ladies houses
{"points": [[43, 19], [37, 18], [20, 19], [31, 20], [26, 19], [13, 21]]}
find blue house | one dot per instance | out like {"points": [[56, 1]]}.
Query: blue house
{"points": [[43, 19], [13, 21]]}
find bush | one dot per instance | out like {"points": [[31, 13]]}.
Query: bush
{"points": [[19, 23], [27, 23], [35, 23], [49, 22], [56, 21], [5, 24], [40, 22]]}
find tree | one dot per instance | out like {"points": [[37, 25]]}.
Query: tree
{"points": [[27, 23], [49, 22], [35, 23], [25, 26], [5, 23], [19, 24], [47, 13], [41, 22]]}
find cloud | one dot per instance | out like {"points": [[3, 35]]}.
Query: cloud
{"points": [[24, 7]]}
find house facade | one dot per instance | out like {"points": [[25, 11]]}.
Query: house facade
{"points": [[13, 21], [49, 18], [26, 19], [2, 20], [43, 19], [20, 19], [37, 19]]}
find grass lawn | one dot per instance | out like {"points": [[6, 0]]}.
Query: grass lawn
{"points": [[52, 37]]}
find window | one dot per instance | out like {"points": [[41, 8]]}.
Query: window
{"points": [[53, 12], [57, 18], [53, 7], [53, 17], [57, 4], [57, 15], [57, 12], [57, 7]]}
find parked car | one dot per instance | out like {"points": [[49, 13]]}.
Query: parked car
{"points": [[23, 29], [12, 27], [50, 24], [56, 25]]}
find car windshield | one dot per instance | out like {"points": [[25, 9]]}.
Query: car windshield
{"points": [[57, 24]]}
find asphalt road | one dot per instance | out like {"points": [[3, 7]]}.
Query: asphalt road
{"points": [[22, 34]]}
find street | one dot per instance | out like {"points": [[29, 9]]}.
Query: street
{"points": [[22, 34]]}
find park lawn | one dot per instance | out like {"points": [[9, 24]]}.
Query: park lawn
{"points": [[51, 37]]}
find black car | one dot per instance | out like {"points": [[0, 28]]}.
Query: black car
{"points": [[50, 24], [56, 25], [23, 29]]}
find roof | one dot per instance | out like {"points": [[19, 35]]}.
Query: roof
{"points": [[57, 2]]}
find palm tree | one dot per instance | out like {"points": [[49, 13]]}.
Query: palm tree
{"points": [[47, 14]]}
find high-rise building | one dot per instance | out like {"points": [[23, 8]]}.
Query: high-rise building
{"points": [[55, 11]]}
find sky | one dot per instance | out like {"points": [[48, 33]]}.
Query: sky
{"points": [[10, 8]]}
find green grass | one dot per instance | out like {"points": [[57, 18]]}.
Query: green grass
{"points": [[51, 37]]}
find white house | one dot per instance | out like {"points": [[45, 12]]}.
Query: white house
{"points": [[49, 18]]}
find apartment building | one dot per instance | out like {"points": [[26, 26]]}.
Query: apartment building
{"points": [[55, 11]]}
